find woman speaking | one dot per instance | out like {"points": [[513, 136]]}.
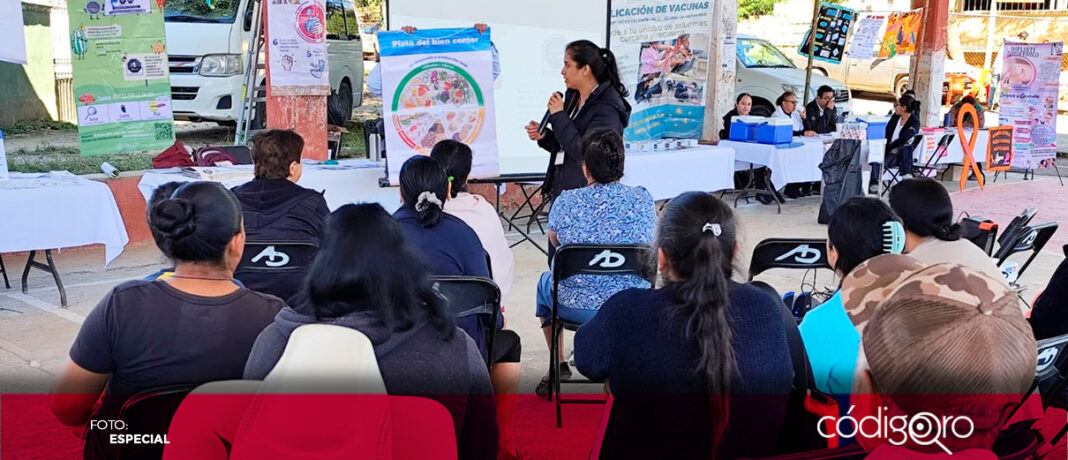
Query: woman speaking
{"points": [[594, 100]]}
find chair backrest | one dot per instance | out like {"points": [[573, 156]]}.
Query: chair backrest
{"points": [[276, 257], [1051, 372], [981, 231], [1032, 238], [600, 259], [915, 142], [1016, 224], [469, 295], [796, 253], [241, 153], [150, 412]]}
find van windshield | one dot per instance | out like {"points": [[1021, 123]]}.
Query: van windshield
{"points": [[759, 53], [222, 11]]}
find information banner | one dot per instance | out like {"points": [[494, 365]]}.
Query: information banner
{"points": [[122, 87], [437, 84], [1030, 75], [832, 28], [866, 36], [999, 149], [296, 37], [902, 32], [661, 47]]}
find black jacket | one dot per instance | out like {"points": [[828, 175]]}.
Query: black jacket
{"points": [[724, 134], [604, 109], [910, 130], [279, 210], [827, 123]]}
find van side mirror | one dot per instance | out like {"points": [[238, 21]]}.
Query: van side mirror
{"points": [[248, 16]]}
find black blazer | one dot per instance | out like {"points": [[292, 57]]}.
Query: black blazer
{"points": [[827, 123], [724, 134], [910, 130], [604, 109]]}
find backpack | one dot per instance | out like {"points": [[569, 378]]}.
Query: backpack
{"points": [[213, 156]]}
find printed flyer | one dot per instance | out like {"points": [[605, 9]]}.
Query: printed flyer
{"points": [[866, 36], [438, 84], [296, 41], [661, 48], [122, 87], [832, 28], [1030, 76]]}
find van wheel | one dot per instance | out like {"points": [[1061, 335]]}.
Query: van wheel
{"points": [[762, 110], [339, 105], [901, 85]]}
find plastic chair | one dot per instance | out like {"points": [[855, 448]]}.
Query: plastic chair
{"points": [[791, 253], [241, 153], [275, 267], [589, 259], [473, 295], [1032, 239], [3, 271], [908, 155], [1014, 227], [150, 412]]}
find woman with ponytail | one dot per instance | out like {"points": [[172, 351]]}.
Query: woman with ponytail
{"points": [[594, 100], [931, 236], [904, 124], [195, 326], [678, 358]]}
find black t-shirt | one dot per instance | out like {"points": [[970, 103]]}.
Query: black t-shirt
{"points": [[147, 335]]}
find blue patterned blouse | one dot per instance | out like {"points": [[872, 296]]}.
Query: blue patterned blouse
{"points": [[601, 214]]}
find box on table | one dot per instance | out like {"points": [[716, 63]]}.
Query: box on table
{"points": [[776, 131], [876, 126], [744, 128]]}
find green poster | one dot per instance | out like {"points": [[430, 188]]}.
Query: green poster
{"points": [[121, 82]]}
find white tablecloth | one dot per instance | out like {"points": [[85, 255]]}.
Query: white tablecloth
{"points": [[955, 153], [667, 174], [797, 164], [351, 181], [59, 210]]}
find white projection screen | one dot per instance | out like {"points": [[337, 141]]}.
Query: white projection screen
{"points": [[530, 37]]}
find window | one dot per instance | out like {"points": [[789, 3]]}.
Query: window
{"points": [[1026, 5], [759, 53], [335, 20], [350, 20]]}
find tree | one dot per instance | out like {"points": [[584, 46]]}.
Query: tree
{"points": [[755, 8]]}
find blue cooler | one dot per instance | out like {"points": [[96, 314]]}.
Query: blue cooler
{"points": [[876, 126], [744, 128], [776, 131]]}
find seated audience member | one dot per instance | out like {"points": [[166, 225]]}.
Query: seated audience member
{"points": [[677, 358], [947, 342], [855, 233], [1049, 318], [969, 123], [742, 105], [931, 236], [786, 107], [368, 277], [451, 247], [603, 212], [276, 209], [196, 326], [163, 192], [475, 211], [902, 127]]}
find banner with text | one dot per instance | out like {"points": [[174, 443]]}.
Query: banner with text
{"points": [[121, 83], [438, 84], [832, 28], [866, 36], [1030, 73], [661, 48], [296, 41]]}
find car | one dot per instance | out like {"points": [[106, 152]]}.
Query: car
{"points": [[765, 73], [890, 76], [369, 36]]}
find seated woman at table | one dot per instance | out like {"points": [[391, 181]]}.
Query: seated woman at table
{"points": [[969, 123], [368, 277], [743, 104], [196, 326], [675, 357], [603, 212], [276, 209], [451, 248], [475, 211], [902, 127]]}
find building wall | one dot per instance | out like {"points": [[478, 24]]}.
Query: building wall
{"points": [[28, 91]]}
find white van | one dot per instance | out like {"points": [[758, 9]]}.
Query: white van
{"points": [[208, 42], [889, 76], [765, 73]]}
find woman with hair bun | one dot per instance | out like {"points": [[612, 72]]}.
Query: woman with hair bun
{"points": [[904, 124], [594, 100], [931, 236], [196, 326]]}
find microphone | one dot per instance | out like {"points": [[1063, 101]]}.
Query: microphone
{"points": [[545, 118]]}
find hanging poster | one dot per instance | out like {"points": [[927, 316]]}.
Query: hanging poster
{"points": [[12, 33], [866, 36], [999, 149], [1030, 76], [438, 84], [122, 88], [661, 48], [902, 32], [296, 41], [832, 28]]}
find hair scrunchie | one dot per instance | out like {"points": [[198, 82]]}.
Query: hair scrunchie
{"points": [[425, 199]]}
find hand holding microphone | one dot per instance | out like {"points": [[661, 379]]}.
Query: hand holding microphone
{"points": [[556, 103]]}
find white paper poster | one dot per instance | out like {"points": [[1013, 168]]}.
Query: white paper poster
{"points": [[437, 84], [12, 34], [296, 48], [867, 36], [729, 59]]}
